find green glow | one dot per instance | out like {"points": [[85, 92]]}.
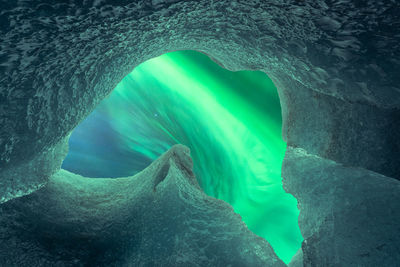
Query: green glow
{"points": [[232, 123]]}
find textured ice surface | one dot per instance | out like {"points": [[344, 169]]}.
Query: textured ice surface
{"points": [[28, 176], [159, 217], [352, 133], [57, 61], [353, 212]]}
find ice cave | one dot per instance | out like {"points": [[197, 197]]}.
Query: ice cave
{"points": [[230, 121], [199, 133]]}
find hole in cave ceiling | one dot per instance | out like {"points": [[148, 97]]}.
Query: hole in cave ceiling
{"points": [[231, 121]]}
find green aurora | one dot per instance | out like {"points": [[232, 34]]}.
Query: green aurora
{"points": [[230, 120]]}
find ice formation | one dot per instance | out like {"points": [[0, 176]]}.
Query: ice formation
{"points": [[336, 66]]}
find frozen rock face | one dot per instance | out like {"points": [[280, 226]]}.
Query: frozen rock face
{"points": [[159, 217], [336, 64]]}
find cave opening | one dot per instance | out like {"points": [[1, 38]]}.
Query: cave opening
{"points": [[231, 121]]}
